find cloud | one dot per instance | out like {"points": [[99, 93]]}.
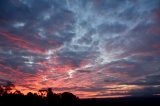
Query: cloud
{"points": [[151, 80], [147, 91], [81, 45]]}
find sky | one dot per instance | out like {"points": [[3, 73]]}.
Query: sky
{"points": [[92, 48]]}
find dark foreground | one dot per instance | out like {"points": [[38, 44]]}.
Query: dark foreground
{"points": [[128, 101], [19, 100], [49, 98]]}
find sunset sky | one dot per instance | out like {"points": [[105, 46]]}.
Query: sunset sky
{"points": [[92, 48]]}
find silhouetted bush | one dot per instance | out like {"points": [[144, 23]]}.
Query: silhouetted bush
{"points": [[51, 99], [68, 99]]}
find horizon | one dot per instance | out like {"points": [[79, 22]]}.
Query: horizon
{"points": [[92, 48], [13, 91]]}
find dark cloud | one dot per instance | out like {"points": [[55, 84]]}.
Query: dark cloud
{"points": [[152, 80], [4, 82], [112, 79], [82, 89], [147, 91], [112, 28]]}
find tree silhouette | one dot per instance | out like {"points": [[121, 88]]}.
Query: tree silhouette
{"points": [[53, 99], [65, 99], [49, 93], [18, 92], [68, 99], [42, 92]]}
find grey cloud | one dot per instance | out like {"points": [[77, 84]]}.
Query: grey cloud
{"points": [[152, 80], [112, 28], [83, 89], [84, 71], [134, 66], [111, 79], [147, 91]]}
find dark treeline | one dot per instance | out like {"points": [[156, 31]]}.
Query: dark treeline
{"points": [[49, 98], [43, 98]]}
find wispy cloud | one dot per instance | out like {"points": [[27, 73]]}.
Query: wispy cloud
{"points": [[94, 48]]}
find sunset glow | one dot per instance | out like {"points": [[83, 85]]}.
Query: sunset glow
{"points": [[92, 48]]}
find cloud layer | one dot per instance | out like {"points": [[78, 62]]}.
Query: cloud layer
{"points": [[93, 48]]}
